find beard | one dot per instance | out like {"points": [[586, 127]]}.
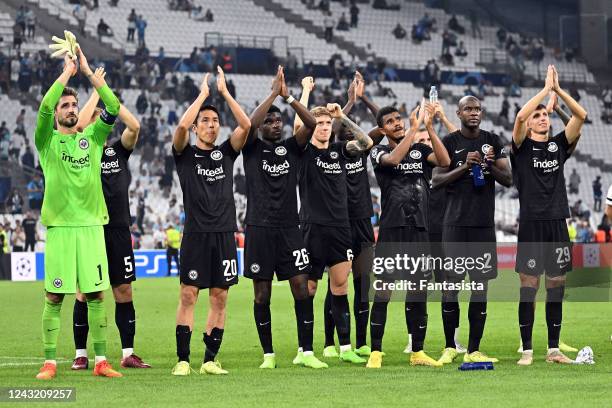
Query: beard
{"points": [[68, 122]]}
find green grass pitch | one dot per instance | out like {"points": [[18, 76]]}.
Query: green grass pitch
{"points": [[396, 384]]}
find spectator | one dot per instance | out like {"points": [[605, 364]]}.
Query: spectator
{"points": [[574, 182], [505, 111], [18, 34], [209, 17], [580, 210], [142, 103], [4, 244], [597, 194], [502, 35], [571, 230], [461, 51], [20, 123], [329, 24], [18, 237], [141, 25], [584, 233], [343, 24], [29, 227], [30, 21], [35, 192], [15, 203], [197, 14], [80, 13], [27, 160], [173, 243], [454, 25], [104, 29], [399, 32], [606, 96], [474, 24], [324, 6], [131, 25], [354, 11]]}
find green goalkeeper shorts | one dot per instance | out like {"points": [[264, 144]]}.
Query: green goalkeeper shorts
{"points": [[76, 257]]}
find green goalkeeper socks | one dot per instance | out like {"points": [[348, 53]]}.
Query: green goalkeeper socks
{"points": [[96, 317], [50, 328]]}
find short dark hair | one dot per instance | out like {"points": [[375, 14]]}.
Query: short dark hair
{"points": [[68, 91], [205, 108], [274, 109], [382, 112], [540, 107]]}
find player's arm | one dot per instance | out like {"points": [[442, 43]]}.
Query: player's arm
{"points": [[44, 120], [307, 87], [553, 106], [372, 107], [181, 133], [129, 137], [395, 156], [499, 168], [88, 110], [440, 156], [362, 141], [439, 111], [110, 100], [239, 135], [519, 133], [609, 204], [304, 133], [579, 114], [351, 97]]}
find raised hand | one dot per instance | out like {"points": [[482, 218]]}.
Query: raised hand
{"points": [[284, 91], [473, 158], [552, 103], [549, 82], [308, 83], [277, 81], [204, 89], [69, 65], [430, 113], [556, 86], [221, 86], [413, 118], [83, 64], [334, 110], [352, 91], [100, 73]]}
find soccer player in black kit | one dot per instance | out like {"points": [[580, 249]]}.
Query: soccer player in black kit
{"points": [[362, 232], [208, 248], [469, 218], [274, 242], [401, 172], [116, 180], [543, 239], [324, 215]]}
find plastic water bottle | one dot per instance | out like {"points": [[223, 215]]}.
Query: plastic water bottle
{"points": [[433, 95], [476, 366], [478, 175]]}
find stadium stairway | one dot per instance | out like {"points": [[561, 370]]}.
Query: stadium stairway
{"points": [[50, 21], [308, 25]]}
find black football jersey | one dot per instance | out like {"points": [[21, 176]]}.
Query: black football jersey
{"points": [[116, 178], [323, 186], [468, 205], [206, 178], [537, 169], [272, 175], [358, 187], [404, 188]]}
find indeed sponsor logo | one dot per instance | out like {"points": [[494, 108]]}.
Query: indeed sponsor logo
{"points": [[545, 164], [210, 172], [409, 166], [276, 169], [82, 161], [110, 165], [328, 166]]}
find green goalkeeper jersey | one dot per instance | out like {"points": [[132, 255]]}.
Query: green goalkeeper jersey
{"points": [[71, 165]]}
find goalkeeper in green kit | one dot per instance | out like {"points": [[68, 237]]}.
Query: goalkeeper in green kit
{"points": [[74, 210]]}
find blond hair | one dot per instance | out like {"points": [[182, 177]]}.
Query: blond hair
{"points": [[320, 111]]}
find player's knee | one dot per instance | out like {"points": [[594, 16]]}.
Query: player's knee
{"points": [[94, 296], [299, 287], [55, 297], [529, 280], [80, 297], [312, 287], [218, 300], [188, 297], [123, 293]]}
